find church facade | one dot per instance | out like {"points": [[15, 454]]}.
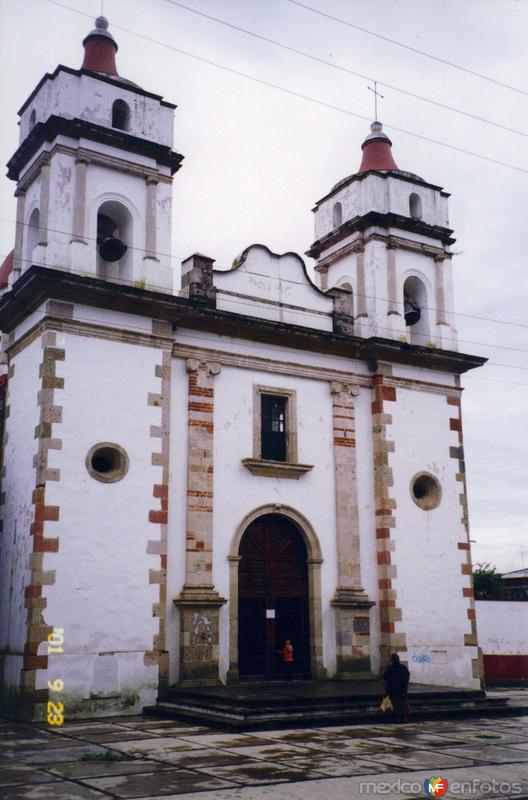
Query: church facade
{"points": [[189, 478]]}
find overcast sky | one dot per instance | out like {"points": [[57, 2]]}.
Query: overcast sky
{"points": [[257, 158]]}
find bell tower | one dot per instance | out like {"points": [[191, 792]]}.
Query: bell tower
{"points": [[94, 173], [382, 233]]}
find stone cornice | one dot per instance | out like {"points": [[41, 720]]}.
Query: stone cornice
{"points": [[395, 242], [80, 129], [41, 283], [91, 157], [376, 219], [225, 358]]}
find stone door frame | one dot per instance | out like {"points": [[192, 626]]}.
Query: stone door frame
{"points": [[314, 561]]}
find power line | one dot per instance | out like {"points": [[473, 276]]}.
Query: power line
{"points": [[69, 235], [408, 47], [496, 380], [300, 95], [339, 67], [247, 304], [174, 256], [121, 281]]}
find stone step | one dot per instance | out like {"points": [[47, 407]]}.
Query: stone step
{"points": [[239, 709]]}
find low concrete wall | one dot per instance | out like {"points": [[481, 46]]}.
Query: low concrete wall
{"points": [[503, 636]]}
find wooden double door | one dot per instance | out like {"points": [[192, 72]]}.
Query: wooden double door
{"points": [[273, 598]]}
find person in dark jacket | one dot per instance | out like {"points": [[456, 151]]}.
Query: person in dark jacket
{"points": [[396, 678]]}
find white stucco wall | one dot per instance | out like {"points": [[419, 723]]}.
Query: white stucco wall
{"points": [[102, 597], [85, 97], [273, 287], [502, 627], [429, 582], [381, 194], [238, 492], [17, 512]]}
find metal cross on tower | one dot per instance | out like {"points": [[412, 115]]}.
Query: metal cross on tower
{"points": [[376, 95]]}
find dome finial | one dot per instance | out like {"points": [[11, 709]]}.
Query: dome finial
{"points": [[100, 48], [377, 153]]}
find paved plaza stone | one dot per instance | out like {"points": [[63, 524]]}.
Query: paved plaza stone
{"points": [[149, 757]]}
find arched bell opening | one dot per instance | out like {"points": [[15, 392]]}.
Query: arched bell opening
{"points": [[337, 215], [415, 206], [415, 310], [121, 115], [32, 238], [114, 238]]}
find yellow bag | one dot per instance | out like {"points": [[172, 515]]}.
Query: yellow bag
{"points": [[386, 704]]}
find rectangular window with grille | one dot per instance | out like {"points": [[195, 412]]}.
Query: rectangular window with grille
{"points": [[273, 430]]}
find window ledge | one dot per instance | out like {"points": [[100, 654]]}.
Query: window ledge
{"points": [[276, 469]]}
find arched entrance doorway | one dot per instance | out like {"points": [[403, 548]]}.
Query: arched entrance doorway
{"points": [[272, 597]]}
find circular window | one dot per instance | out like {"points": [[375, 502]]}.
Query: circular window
{"points": [[107, 462], [426, 491]]}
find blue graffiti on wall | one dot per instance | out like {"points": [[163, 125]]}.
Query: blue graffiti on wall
{"points": [[423, 658]]}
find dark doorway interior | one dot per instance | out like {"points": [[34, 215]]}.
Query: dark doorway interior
{"points": [[273, 598]]}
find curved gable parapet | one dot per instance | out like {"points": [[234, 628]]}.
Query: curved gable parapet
{"points": [[272, 286]]}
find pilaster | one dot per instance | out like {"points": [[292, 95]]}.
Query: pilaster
{"points": [[151, 217], [391, 640], [361, 294], [79, 200], [18, 264], [199, 602], [466, 567], [44, 202], [392, 288], [350, 601], [440, 291], [158, 516], [43, 546]]}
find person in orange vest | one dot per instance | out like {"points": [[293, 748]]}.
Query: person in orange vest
{"points": [[287, 659]]}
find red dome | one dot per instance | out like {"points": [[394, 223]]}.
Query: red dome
{"points": [[377, 153], [100, 48], [6, 269]]}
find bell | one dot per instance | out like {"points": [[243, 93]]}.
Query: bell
{"points": [[411, 312], [112, 249]]}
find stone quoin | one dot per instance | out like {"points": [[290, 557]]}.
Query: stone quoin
{"points": [[191, 477]]}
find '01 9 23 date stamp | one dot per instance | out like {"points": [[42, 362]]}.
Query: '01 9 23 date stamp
{"points": [[55, 707]]}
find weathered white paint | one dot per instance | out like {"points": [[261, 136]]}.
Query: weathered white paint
{"points": [[273, 287], [502, 627], [74, 201], [313, 495], [381, 194], [78, 96], [102, 566], [385, 313], [102, 597], [283, 355], [17, 513], [426, 554]]}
